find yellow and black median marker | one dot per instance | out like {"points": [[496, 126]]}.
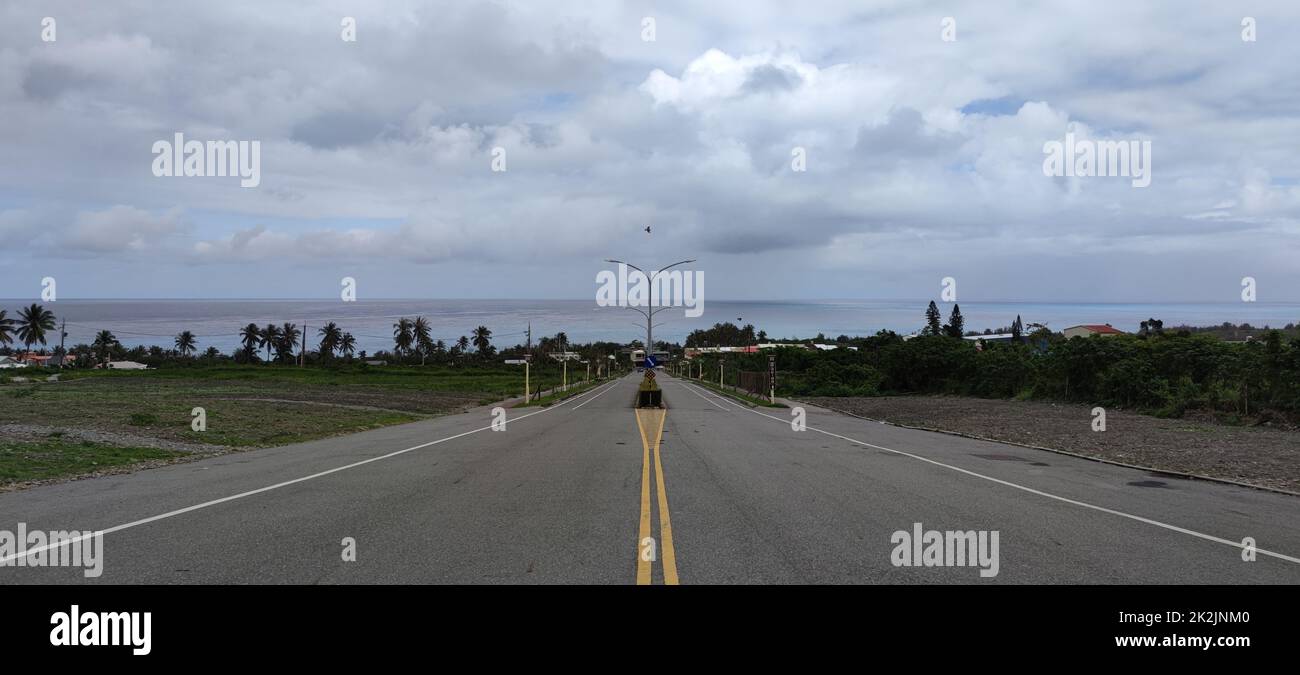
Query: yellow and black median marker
{"points": [[649, 395]]}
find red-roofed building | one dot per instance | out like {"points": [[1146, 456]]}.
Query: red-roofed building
{"points": [[34, 359], [1087, 330]]}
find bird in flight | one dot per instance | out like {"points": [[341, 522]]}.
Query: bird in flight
{"points": [[647, 229]]}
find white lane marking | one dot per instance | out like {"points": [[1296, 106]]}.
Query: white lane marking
{"points": [[594, 397], [692, 390], [214, 502], [1067, 500]]}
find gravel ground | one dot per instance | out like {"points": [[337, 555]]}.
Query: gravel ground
{"points": [[1267, 457], [35, 432]]}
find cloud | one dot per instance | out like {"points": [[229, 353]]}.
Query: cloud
{"points": [[120, 229], [917, 150]]}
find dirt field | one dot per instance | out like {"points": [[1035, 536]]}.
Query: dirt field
{"points": [[1254, 455]]}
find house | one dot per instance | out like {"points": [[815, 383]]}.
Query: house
{"points": [[692, 352], [991, 337], [62, 360], [125, 365], [42, 360], [1088, 330], [11, 362]]}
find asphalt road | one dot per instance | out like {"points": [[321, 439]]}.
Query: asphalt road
{"points": [[592, 492]]}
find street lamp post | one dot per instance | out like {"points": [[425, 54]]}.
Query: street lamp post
{"points": [[650, 309]]}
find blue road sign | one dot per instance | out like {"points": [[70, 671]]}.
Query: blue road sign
{"points": [[650, 362]]}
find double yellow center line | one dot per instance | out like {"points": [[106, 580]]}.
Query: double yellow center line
{"points": [[654, 419]]}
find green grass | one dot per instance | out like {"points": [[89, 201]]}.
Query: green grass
{"points": [[57, 457], [258, 405], [489, 379], [258, 425], [246, 407], [549, 399], [143, 419]]}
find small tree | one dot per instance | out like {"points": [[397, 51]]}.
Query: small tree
{"points": [[932, 319], [956, 324], [185, 343]]}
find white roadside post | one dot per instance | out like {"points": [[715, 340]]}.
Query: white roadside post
{"points": [[527, 367]]}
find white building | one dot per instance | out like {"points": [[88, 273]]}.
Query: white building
{"points": [[126, 365]]}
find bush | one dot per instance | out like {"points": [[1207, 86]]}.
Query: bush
{"points": [[143, 419]]}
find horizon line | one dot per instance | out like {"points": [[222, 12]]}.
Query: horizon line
{"points": [[723, 300]]}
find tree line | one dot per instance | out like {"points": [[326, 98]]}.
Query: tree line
{"points": [[285, 343], [1162, 371], [1166, 373]]}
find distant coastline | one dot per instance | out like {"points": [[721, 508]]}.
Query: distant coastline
{"points": [[216, 322]]}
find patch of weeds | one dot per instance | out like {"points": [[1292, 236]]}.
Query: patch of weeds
{"points": [[143, 419]]}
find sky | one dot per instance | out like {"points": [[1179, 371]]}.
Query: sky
{"points": [[921, 143]]}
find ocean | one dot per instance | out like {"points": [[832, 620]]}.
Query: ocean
{"points": [[217, 322]]}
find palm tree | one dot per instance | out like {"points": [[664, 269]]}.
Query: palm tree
{"points": [[462, 345], [289, 334], [268, 338], [330, 336], [6, 329], [185, 343], [251, 336], [423, 341], [402, 335], [483, 341], [347, 344], [33, 321], [104, 343]]}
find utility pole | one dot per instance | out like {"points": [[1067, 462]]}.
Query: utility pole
{"points": [[565, 385], [302, 351]]}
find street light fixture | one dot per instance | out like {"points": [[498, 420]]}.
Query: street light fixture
{"points": [[649, 311]]}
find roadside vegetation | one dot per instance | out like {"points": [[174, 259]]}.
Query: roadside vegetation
{"points": [[560, 395], [1166, 373], [275, 389], [56, 457], [738, 394]]}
